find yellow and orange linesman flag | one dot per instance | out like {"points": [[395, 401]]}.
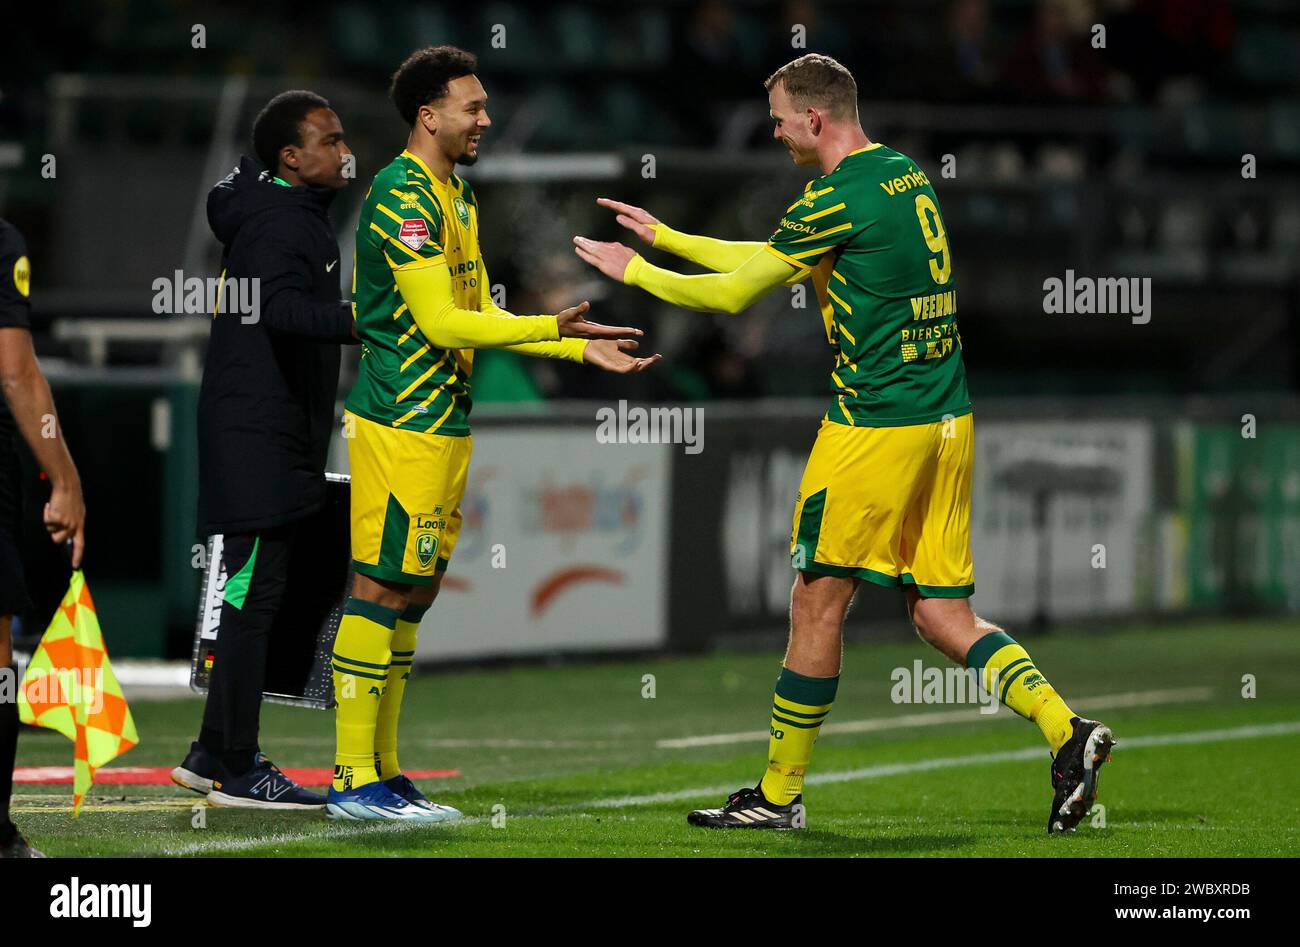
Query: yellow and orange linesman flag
{"points": [[70, 687]]}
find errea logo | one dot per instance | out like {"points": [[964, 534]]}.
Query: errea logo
{"points": [[134, 901]]}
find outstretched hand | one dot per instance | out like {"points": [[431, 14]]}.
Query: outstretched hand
{"points": [[611, 355], [573, 325], [635, 219], [610, 258]]}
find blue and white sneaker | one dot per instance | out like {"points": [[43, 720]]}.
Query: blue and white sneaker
{"points": [[375, 802], [401, 785], [263, 787]]}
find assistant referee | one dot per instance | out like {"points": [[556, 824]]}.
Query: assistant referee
{"points": [[28, 410]]}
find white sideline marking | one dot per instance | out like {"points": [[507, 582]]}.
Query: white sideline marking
{"points": [[942, 717], [334, 832], [868, 772], [944, 762]]}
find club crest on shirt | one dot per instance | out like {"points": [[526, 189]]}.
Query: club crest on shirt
{"points": [[414, 233], [462, 211]]}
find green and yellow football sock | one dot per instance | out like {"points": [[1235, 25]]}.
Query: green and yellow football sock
{"points": [[390, 707], [361, 658], [1020, 685], [799, 706]]}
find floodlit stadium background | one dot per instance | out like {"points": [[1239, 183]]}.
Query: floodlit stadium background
{"points": [[1098, 437]]}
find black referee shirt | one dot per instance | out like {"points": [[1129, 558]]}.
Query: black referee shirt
{"points": [[15, 312]]}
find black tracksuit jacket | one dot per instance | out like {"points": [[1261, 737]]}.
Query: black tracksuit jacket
{"points": [[266, 405]]}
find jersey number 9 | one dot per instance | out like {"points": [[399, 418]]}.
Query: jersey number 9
{"points": [[935, 237]]}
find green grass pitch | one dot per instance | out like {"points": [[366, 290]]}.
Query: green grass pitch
{"points": [[567, 760]]}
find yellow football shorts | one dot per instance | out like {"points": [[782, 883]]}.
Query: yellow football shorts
{"points": [[889, 505], [406, 493]]}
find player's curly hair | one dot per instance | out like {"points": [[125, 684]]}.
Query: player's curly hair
{"points": [[280, 124], [422, 79], [820, 81]]}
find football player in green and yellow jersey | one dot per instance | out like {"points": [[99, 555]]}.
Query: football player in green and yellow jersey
{"points": [[885, 496], [422, 306]]}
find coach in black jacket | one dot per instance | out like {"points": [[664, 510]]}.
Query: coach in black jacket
{"points": [[266, 410]]}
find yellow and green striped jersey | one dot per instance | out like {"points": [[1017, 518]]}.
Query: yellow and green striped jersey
{"points": [[409, 216], [871, 232]]}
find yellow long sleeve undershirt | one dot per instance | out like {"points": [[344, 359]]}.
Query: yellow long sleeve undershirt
{"points": [[426, 289], [729, 292], [569, 350], [721, 256]]}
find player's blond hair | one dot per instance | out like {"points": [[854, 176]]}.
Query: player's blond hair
{"points": [[821, 82]]}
